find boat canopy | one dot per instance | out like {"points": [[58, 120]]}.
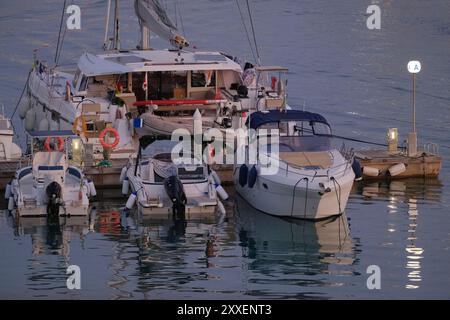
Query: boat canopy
{"points": [[154, 61], [159, 147], [257, 119], [59, 133]]}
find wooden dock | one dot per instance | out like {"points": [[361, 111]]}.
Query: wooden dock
{"points": [[423, 165]]}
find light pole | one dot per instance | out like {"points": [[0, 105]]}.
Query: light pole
{"points": [[414, 68]]}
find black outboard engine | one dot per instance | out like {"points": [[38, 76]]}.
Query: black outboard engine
{"points": [[53, 192], [175, 190]]}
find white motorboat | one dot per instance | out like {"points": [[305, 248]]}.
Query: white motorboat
{"points": [[310, 179], [161, 186], [50, 186], [9, 151]]}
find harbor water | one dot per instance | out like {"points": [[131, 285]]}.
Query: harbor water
{"points": [[355, 77]]}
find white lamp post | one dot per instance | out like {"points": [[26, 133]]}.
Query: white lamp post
{"points": [[414, 68]]}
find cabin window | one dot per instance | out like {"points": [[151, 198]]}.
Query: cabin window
{"points": [[160, 85], [83, 84], [203, 79], [75, 78]]}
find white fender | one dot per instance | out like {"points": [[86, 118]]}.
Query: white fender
{"points": [[131, 201], [30, 118], [125, 186], [221, 192], [123, 174], [221, 207], [216, 177], [11, 203], [92, 190], [8, 191], [397, 169], [24, 107], [44, 125], [371, 172]]}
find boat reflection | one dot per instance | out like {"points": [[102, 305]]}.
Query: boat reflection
{"points": [[266, 237]]}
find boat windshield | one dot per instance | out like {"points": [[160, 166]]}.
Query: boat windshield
{"points": [[302, 136]]}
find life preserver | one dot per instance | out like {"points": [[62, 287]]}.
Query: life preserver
{"points": [[60, 143], [116, 138], [83, 126]]}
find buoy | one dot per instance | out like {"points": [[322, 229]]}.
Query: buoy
{"points": [[221, 207], [243, 175], [356, 166], [131, 201], [123, 174], [252, 175], [30, 118], [43, 125], [125, 186], [11, 203], [221, 192], [92, 190], [216, 177], [24, 107], [397, 169], [8, 191], [371, 172]]}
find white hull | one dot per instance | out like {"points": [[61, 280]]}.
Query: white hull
{"points": [[279, 200]]}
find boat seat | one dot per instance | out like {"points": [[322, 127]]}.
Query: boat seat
{"points": [[49, 162], [320, 159]]}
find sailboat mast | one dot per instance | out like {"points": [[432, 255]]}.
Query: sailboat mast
{"points": [[145, 41], [108, 13], [116, 25]]}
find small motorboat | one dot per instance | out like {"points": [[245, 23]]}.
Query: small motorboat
{"points": [[50, 186], [309, 179], [161, 186]]}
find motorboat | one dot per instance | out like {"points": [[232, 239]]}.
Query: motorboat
{"points": [[162, 185], [308, 178], [9, 151], [50, 186]]}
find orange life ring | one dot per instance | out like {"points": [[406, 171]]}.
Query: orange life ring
{"points": [[83, 126], [60, 143], [116, 138]]}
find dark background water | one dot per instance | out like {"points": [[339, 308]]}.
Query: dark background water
{"points": [[354, 76]]}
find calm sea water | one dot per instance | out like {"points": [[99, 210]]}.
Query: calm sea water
{"points": [[356, 77]]}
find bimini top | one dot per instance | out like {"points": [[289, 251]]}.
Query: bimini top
{"points": [[257, 119]]}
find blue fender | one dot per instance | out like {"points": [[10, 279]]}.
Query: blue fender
{"points": [[243, 173], [253, 174]]}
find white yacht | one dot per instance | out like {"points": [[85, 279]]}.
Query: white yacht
{"points": [[162, 186], [132, 93], [50, 186], [9, 151], [311, 180]]}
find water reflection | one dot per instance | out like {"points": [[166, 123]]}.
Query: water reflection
{"points": [[404, 197], [293, 251]]}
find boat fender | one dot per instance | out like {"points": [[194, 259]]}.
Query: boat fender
{"points": [[8, 191], [371, 172], [125, 186], [24, 107], [243, 175], [30, 118], [216, 177], [92, 190], [131, 200], [123, 173], [11, 203], [221, 207], [397, 169], [356, 166], [44, 125], [221, 192], [252, 175]]}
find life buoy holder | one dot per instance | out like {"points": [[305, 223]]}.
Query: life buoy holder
{"points": [[83, 126], [116, 138], [60, 143]]}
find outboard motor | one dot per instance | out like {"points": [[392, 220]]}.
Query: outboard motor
{"points": [[54, 192], [175, 190]]}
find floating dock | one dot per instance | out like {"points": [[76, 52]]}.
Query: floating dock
{"points": [[422, 165]]}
